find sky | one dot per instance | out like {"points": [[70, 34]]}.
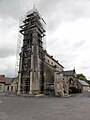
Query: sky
{"points": [[67, 32]]}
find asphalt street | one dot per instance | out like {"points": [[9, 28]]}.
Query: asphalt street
{"points": [[45, 108]]}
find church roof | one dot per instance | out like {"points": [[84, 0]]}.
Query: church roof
{"points": [[50, 56], [69, 72]]}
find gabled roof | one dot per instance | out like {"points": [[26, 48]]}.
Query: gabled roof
{"points": [[83, 82], [8, 80], [2, 79], [69, 72]]}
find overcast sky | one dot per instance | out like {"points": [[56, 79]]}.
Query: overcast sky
{"points": [[67, 36]]}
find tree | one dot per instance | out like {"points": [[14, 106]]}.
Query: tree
{"points": [[81, 77], [88, 81]]}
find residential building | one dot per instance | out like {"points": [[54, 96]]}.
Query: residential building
{"points": [[11, 84], [2, 83], [83, 86], [8, 82]]}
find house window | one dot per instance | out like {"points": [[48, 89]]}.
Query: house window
{"points": [[11, 88], [7, 87]]}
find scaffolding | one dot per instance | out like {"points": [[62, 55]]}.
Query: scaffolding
{"points": [[33, 30], [18, 50]]}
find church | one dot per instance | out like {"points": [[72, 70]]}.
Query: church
{"points": [[38, 70]]}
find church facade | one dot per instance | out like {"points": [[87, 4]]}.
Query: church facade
{"points": [[37, 69]]}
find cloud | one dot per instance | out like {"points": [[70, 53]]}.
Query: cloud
{"points": [[63, 10], [8, 37], [8, 66], [8, 42], [15, 8], [71, 44], [67, 38]]}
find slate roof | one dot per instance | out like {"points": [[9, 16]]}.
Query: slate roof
{"points": [[2, 79], [51, 57], [69, 72], [8, 80], [83, 83]]}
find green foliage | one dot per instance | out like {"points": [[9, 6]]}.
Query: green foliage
{"points": [[81, 77], [88, 81]]}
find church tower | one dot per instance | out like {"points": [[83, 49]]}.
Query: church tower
{"points": [[31, 70]]}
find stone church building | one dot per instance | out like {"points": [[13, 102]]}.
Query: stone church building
{"points": [[37, 69]]}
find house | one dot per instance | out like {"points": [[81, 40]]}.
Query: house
{"points": [[2, 83], [83, 86], [14, 85], [10, 84]]}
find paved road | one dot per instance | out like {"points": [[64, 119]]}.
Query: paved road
{"points": [[47, 108]]}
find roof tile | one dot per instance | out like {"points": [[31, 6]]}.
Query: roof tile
{"points": [[2, 79]]}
